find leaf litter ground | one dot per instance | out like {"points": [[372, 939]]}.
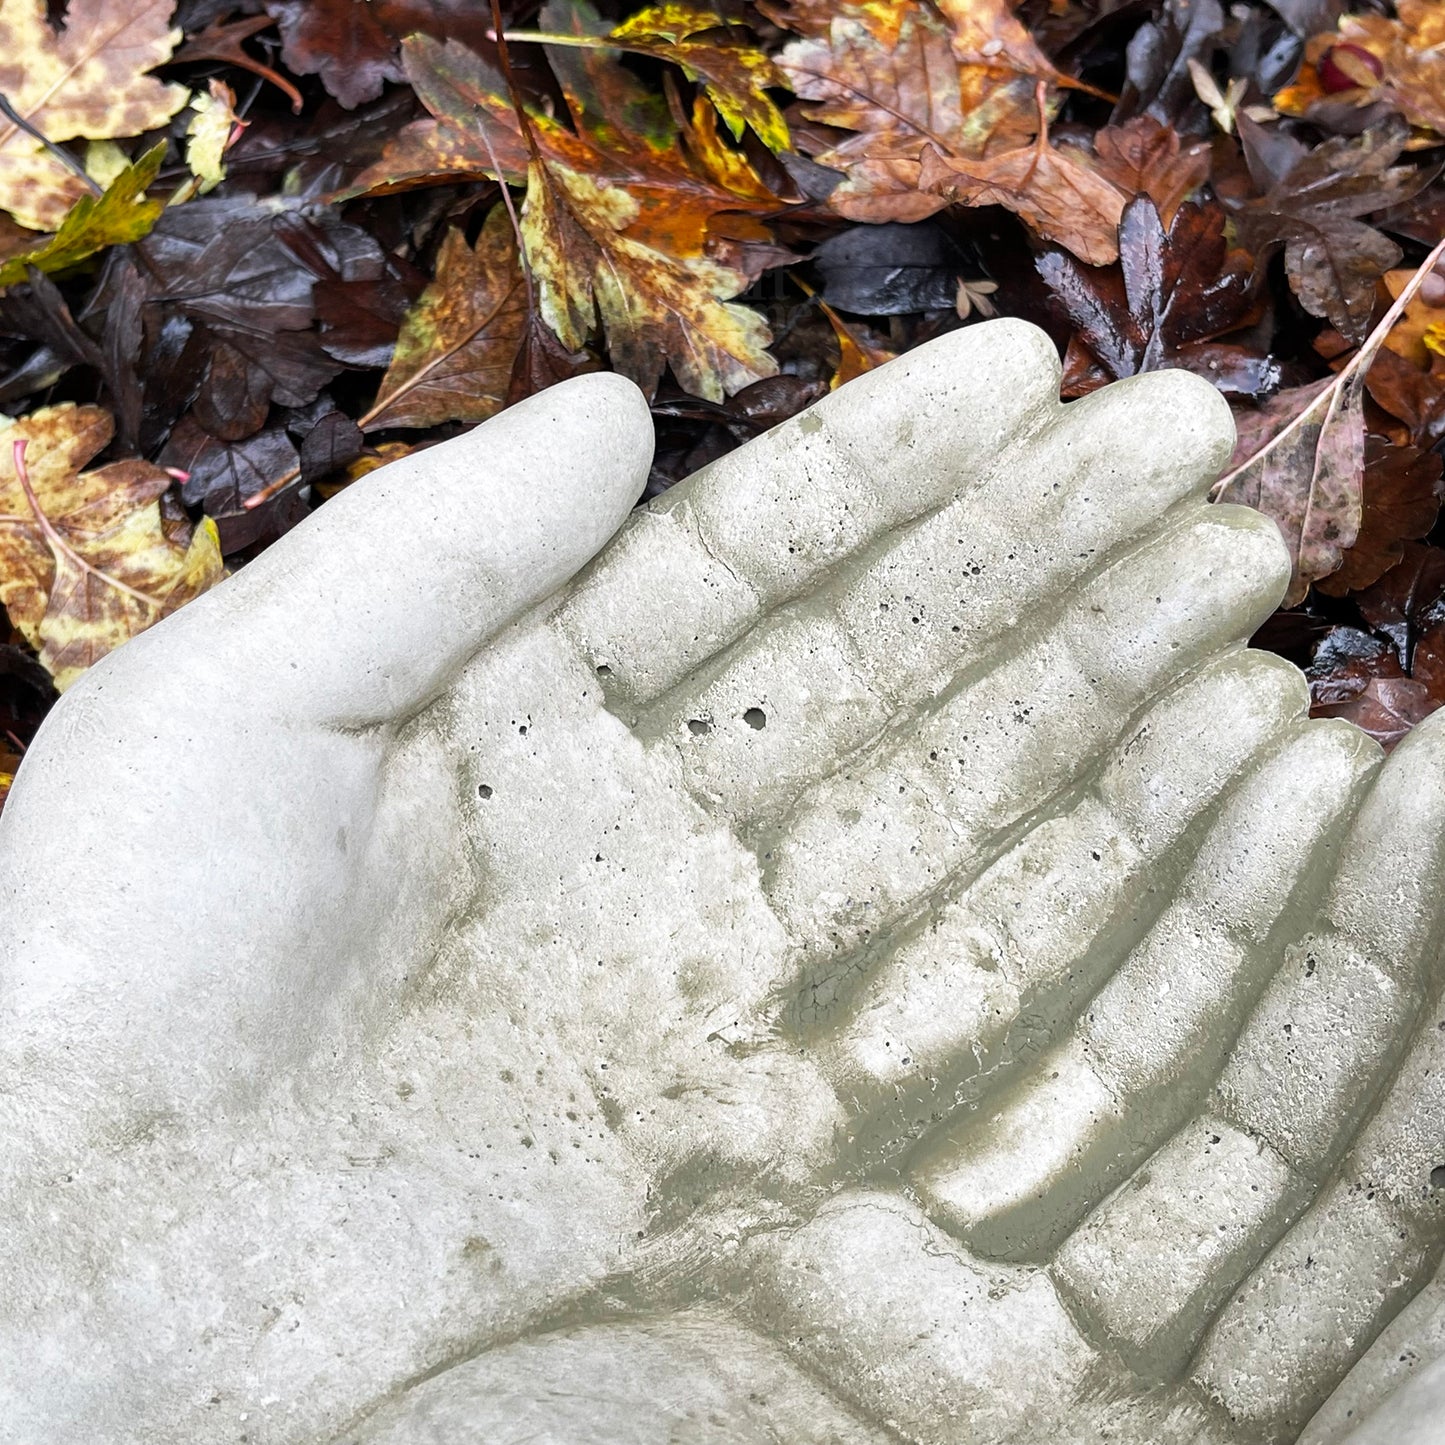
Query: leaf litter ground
{"points": [[251, 249]]}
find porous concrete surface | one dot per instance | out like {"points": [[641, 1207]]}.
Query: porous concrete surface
{"points": [[874, 958]]}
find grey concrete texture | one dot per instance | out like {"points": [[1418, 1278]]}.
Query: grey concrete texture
{"points": [[865, 955]]}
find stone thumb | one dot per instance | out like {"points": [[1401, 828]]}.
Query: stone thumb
{"points": [[367, 609]]}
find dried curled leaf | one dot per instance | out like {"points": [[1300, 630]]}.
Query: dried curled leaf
{"points": [[87, 559], [87, 79], [458, 346]]}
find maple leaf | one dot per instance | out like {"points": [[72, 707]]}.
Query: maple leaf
{"points": [[1300, 457], [613, 235], [735, 75], [1053, 190], [87, 559], [457, 350], [87, 79], [121, 214], [1311, 203], [1171, 294], [903, 77]]}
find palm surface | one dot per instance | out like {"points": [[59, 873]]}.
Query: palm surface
{"points": [[877, 925]]}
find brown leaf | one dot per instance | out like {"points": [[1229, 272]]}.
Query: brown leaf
{"points": [[903, 78], [87, 79], [86, 558], [223, 41], [1171, 294], [1300, 457], [1144, 157], [355, 48], [1401, 499], [1298, 460], [1049, 188], [1311, 207], [457, 349]]}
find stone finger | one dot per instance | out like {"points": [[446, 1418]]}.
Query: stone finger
{"points": [[893, 627]]}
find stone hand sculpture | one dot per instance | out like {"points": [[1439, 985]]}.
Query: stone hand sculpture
{"points": [[872, 959]]}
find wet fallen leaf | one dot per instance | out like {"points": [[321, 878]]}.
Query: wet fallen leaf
{"points": [[1143, 157], [86, 79], [1400, 499], [904, 78], [355, 48], [735, 73], [211, 130], [1311, 204], [87, 559], [1051, 188], [122, 213], [1373, 60], [615, 237], [1171, 294], [457, 349], [1300, 456]]}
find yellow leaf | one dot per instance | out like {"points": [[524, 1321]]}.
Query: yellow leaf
{"points": [[85, 80], [104, 161], [209, 133], [122, 214], [87, 559]]}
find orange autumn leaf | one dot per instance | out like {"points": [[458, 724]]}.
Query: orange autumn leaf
{"points": [[618, 218], [1053, 190], [959, 77]]}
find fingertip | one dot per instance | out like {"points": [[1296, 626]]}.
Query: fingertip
{"points": [[1186, 412]]}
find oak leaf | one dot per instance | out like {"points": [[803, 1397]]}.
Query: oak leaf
{"points": [[458, 347], [87, 559], [87, 79]]}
